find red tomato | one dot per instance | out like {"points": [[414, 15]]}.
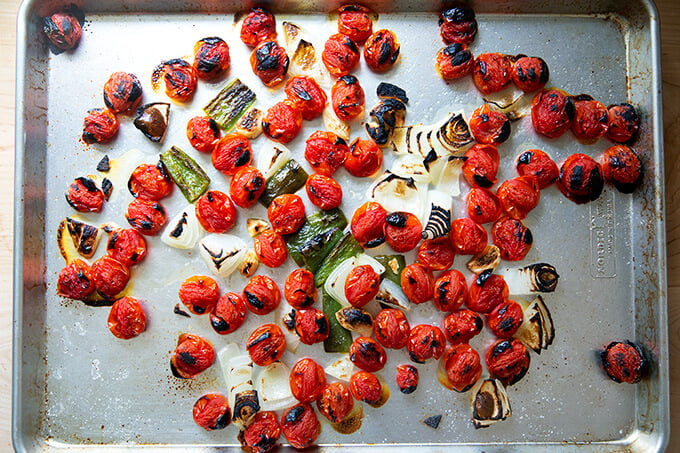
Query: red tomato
{"points": [[362, 285], [212, 412], [365, 387], [192, 356], [300, 426], [286, 213], [263, 432], [402, 231], [110, 276], [625, 361], [311, 325], [508, 361], [270, 63], [623, 124], [354, 22], [436, 254], [381, 50], [512, 238], [491, 72], [215, 212], [211, 58], [99, 126], [462, 325], [228, 314], [299, 289], [417, 282], [529, 73], [340, 55], [307, 380], [622, 168], [552, 112], [454, 61], [261, 295], [518, 196], [486, 292], [199, 293], [259, 25], [391, 328], [126, 246], [84, 196], [306, 96], [231, 153], [348, 98], [122, 92], [179, 77], [467, 237], [76, 281], [367, 354], [282, 122], [458, 24], [266, 344], [407, 378], [325, 152], [536, 163], [246, 187], [203, 133], [483, 206], [450, 290], [323, 191], [505, 319], [368, 224], [335, 402], [364, 158], [126, 318], [463, 367], [147, 217], [481, 166], [590, 119], [488, 126], [425, 342], [581, 179]]}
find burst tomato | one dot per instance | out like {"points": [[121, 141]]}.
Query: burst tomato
{"points": [[454, 61], [436, 254], [325, 152], [625, 361], [179, 77], [354, 21], [362, 285], [486, 292], [622, 168], [365, 387], [211, 58], [381, 50], [199, 293], [203, 133], [75, 281], [300, 426], [488, 126], [450, 290], [512, 238], [126, 246], [340, 55], [623, 122], [299, 289], [462, 325], [150, 182], [262, 433], [192, 356], [463, 367], [407, 379], [282, 122], [311, 325], [536, 163], [335, 402], [481, 166], [306, 96], [212, 412], [402, 231], [458, 24], [425, 342], [261, 295], [307, 380], [518, 196], [364, 158], [215, 212], [266, 344], [110, 276], [467, 237], [269, 62], [368, 224], [590, 119], [258, 25], [505, 319], [483, 206], [552, 112], [84, 196], [417, 282], [529, 73], [246, 187], [99, 126], [286, 213], [391, 328], [231, 153], [491, 72], [323, 191], [347, 98], [122, 92], [126, 318], [147, 217], [508, 361], [581, 178], [367, 354], [228, 314]]}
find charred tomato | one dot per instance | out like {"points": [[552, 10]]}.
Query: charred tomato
{"points": [[450, 290], [590, 119], [458, 24], [381, 50], [246, 187], [623, 122], [150, 182], [203, 133], [258, 25], [518, 196], [467, 237], [266, 344], [299, 289], [368, 224], [552, 112], [355, 22], [407, 378], [536, 163], [512, 238], [64, 28], [286, 213], [126, 246], [300, 426], [417, 282], [126, 318], [481, 165], [622, 168], [76, 281], [508, 361], [462, 325], [425, 342], [228, 314], [99, 126], [529, 73], [262, 433], [325, 152], [271, 249], [454, 61], [199, 294], [323, 191], [270, 62], [84, 196], [192, 356], [261, 295], [347, 98], [488, 126], [505, 319], [581, 178], [362, 285], [436, 254], [215, 212], [625, 361], [231, 153], [110, 276], [307, 380], [179, 77], [391, 328], [403, 231], [211, 58], [365, 387], [306, 96], [335, 402], [147, 217], [340, 54], [487, 291], [282, 122], [483, 206], [311, 325], [364, 158], [212, 412], [462, 366], [367, 354], [491, 72], [122, 92]]}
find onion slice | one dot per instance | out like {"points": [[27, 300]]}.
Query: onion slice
{"points": [[335, 283], [438, 219], [490, 403], [537, 331], [183, 231], [396, 193], [222, 253], [392, 295], [273, 387], [534, 278], [270, 159]]}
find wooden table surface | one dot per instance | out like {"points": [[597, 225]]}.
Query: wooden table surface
{"points": [[670, 56]]}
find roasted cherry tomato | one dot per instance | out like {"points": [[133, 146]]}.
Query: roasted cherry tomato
{"points": [[529, 73], [282, 122], [64, 29], [536, 163], [491, 72], [462, 366], [425, 342], [335, 402], [436, 254], [481, 166], [381, 50], [84, 196], [203, 133], [625, 361], [262, 433], [231, 153], [623, 122], [467, 237], [150, 182], [266, 344], [487, 291], [505, 319], [391, 328], [348, 98], [211, 58], [340, 55], [402, 231], [179, 77], [323, 191], [512, 238], [367, 354], [76, 281], [110, 276], [307, 380], [199, 293], [518, 196], [450, 290], [122, 92], [417, 282], [300, 426], [483, 206], [306, 96], [365, 387], [325, 152], [228, 313], [508, 361], [215, 212], [99, 126], [299, 289], [246, 187], [212, 412], [259, 25], [462, 325], [126, 318], [364, 158], [261, 295], [552, 112], [581, 178], [192, 356], [590, 119], [270, 62], [622, 168], [354, 21], [271, 249], [311, 325], [489, 126], [407, 378], [454, 61], [368, 224], [458, 25], [286, 213], [126, 246], [362, 285], [147, 217]]}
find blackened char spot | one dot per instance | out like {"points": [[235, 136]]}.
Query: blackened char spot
{"points": [[264, 336], [525, 157], [294, 414], [265, 60], [482, 180], [104, 164], [349, 79], [396, 219], [253, 300], [483, 277], [187, 358], [433, 422]]}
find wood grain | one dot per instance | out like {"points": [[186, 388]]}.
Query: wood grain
{"points": [[670, 39]]}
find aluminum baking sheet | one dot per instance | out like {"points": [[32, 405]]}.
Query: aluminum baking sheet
{"points": [[77, 388]]}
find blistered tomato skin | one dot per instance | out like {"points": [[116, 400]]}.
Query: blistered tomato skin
{"points": [[368, 223], [203, 133], [212, 412], [231, 153], [335, 402], [63, 29], [263, 432], [299, 289], [122, 92], [282, 122], [481, 165], [407, 379], [508, 361], [364, 158], [450, 290], [340, 55], [211, 58], [402, 231], [487, 291], [261, 295], [590, 119], [463, 367], [623, 122], [306, 96], [270, 63], [347, 98], [150, 182], [536, 163], [271, 249], [529, 73], [323, 191], [491, 72], [425, 342], [512, 238], [467, 237], [286, 213], [505, 319], [110, 276], [354, 21], [192, 356], [488, 126], [99, 126], [126, 318], [300, 426], [84, 196], [215, 212], [581, 178], [552, 113], [266, 344], [622, 168], [179, 77], [228, 314], [625, 361], [365, 387], [454, 61], [462, 325], [436, 254], [417, 282], [127, 246], [307, 380], [519, 196], [381, 50], [246, 187], [311, 325], [483, 206], [362, 285], [76, 281], [367, 354], [199, 294], [458, 25], [259, 25], [325, 152], [391, 328], [147, 217]]}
